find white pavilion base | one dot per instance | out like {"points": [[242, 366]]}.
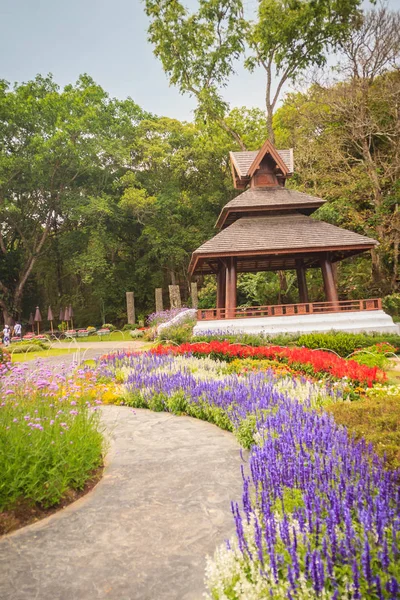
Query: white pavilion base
{"points": [[353, 322]]}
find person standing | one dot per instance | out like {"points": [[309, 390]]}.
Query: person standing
{"points": [[6, 335], [18, 330]]}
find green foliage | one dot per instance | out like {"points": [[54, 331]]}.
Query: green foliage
{"points": [[59, 153], [177, 403], [179, 333], [345, 344], [136, 333], [31, 346], [250, 339], [109, 326], [246, 430], [391, 304], [347, 163], [291, 500], [378, 355], [4, 356], [40, 466], [129, 327], [157, 402], [198, 50], [207, 295], [375, 419]]}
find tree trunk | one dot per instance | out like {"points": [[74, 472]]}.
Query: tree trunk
{"points": [[270, 131]]}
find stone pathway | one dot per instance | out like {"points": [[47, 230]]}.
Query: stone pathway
{"points": [[144, 531]]}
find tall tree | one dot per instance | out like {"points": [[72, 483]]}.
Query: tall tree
{"points": [[347, 142], [57, 149], [199, 50]]}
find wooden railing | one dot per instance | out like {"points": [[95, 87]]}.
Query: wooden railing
{"points": [[281, 310]]}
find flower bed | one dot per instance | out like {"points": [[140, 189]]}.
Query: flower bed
{"points": [[163, 316], [50, 435], [319, 515], [317, 361]]}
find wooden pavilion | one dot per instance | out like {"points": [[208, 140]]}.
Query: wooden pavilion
{"points": [[268, 228]]}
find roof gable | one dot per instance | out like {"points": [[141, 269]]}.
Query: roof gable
{"points": [[267, 148], [246, 162]]}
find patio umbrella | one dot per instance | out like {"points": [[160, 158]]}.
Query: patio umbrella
{"points": [[50, 318], [61, 317], [66, 315], [38, 318], [71, 315], [31, 321]]}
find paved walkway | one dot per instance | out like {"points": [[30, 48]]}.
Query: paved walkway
{"points": [[90, 351], [144, 531]]}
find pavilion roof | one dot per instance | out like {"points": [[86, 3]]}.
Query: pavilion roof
{"points": [[243, 161], [268, 199], [278, 235]]}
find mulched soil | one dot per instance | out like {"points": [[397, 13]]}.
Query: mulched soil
{"points": [[25, 513]]}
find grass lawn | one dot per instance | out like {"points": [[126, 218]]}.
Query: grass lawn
{"points": [[115, 336], [24, 356]]}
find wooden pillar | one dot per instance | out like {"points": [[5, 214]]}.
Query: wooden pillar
{"points": [[329, 280], [221, 289], [159, 300], [231, 283], [302, 281], [130, 307]]}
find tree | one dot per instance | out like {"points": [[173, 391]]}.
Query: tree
{"points": [[199, 50], [346, 137], [367, 109], [57, 149]]}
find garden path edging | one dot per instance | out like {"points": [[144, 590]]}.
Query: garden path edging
{"points": [[143, 532]]}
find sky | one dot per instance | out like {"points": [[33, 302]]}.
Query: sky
{"points": [[108, 40]]}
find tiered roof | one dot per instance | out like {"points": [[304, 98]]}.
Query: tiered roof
{"points": [[268, 226], [280, 237], [267, 200]]}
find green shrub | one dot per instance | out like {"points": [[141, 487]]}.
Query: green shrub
{"points": [[157, 402], [250, 339], [28, 346], [345, 343], [179, 333], [177, 403], [136, 333], [4, 356], [378, 355], [375, 419], [246, 430], [40, 461], [391, 304], [109, 326], [130, 327], [135, 399]]}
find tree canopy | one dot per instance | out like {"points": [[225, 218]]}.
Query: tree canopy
{"points": [[199, 50], [98, 196]]}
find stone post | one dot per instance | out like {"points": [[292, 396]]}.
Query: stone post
{"points": [[130, 307], [159, 300], [175, 296], [193, 293]]}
